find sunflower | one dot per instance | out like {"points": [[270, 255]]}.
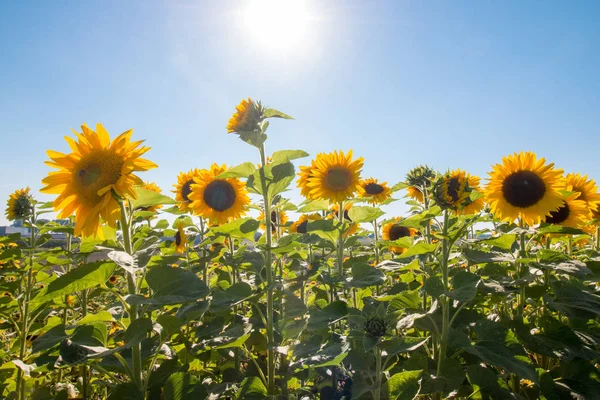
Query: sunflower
{"points": [[336, 177], [92, 174], [415, 193], [303, 176], [452, 190], [301, 225], [180, 238], [525, 187], [473, 206], [573, 212], [335, 209], [587, 188], [183, 188], [113, 279], [278, 218], [373, 190], [247, 116], [394, 231], [218, 200], [19, 205], [152, 187]]}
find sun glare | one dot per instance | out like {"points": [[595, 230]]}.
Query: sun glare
{"points": [[277, 24]]}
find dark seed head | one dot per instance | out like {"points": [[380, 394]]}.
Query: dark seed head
{"points": [[523, 189]]}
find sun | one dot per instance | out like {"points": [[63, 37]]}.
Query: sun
{"points": [[277, 24]]}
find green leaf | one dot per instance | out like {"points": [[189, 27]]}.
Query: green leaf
{"points": [[179, 386], [243, 228], [404, 385], [50, 339], [334, 311], [503, 242], [565, 230], [252, 389], [464, 286], [434, 286], [137, 331], [314, 205], [273, 113], [481, 257], [126, 391], [360, 214], [498, 355], [243, 170], [83, 277], [283, 156], [402, 344], [418, 249], [363, 275], [225, 299], [282, 171], [148, 198], [100, 316], [324, 228], [254, 138], [172, 286]]}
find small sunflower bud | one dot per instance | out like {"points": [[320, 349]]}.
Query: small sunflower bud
{"points": [[420, 176], [375, 327]]}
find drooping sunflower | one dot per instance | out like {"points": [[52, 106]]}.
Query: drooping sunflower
{"points": [[525, 187], [375, 191], [473, 206], [452, 190], [419, 179], [218, 200], [180, 241], [394, 231], [91, 175], [246, 118], [19, 204], [334, 214], [573, 212], [152, 187], [278, 218], [587, 188], [336, 177], [301, 225], [183, 188], [415, 193]]}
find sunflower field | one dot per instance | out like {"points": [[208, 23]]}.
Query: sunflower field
{"points": [[225, 289]]}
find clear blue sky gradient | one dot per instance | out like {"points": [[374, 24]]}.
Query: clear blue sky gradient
{"points": [[454, 84]]}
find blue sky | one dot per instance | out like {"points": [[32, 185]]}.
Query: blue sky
{"points": [[454, 84]]}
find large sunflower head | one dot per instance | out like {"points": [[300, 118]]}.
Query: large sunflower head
{"points": [[278, 218], [394, 231], [377, 192], [247, 117], [19, 204], [301, 225], [183, 189], [587, 188], [525, 187], [180, 239], [573, 212], [335, 177], [452, 191], [89, 178], [218, 200], [152, 187]]}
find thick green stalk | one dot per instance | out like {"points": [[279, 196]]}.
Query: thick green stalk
{"points": [[598, 238], [204, 263], [444, 299], [84, 368], [378, 374], [521, 269], [340, 244], [376, 232], [236, 358], [132, 289], [268, 262]]}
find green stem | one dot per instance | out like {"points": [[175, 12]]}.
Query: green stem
{"points": [[204, 263], [236, 355], [598, 238], [570, 246], [340, 244], [444, 299], [268, 262], [376, 231], [84, 368], [132, 289], [520, 270], [377, 395]]}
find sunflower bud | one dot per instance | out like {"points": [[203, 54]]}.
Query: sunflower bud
{"points": [[420, 176], [452, 190], [19, 205], [375, 327], [247, 117]]}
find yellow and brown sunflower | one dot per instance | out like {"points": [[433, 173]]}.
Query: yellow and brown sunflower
{"points": [[525, 187], [91, 175], [19, 204], [183, 188], [246, 118], [394, 231], [301, 225], [335, 177], [587, 189], [334, 214], [415, 193], [218, 200], [473, 206], [278, 218], [573, 212], [180, 241], [452, 190], [375, 191]]}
